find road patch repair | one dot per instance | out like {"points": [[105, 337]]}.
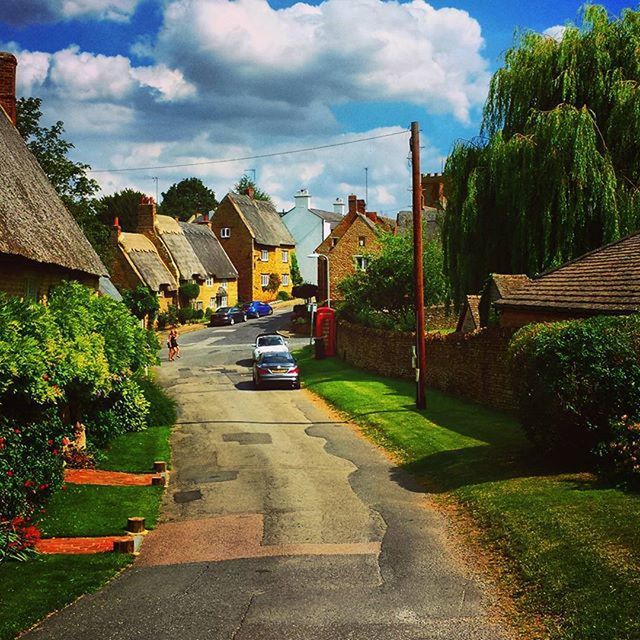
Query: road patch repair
{"points": [[231, 537]]}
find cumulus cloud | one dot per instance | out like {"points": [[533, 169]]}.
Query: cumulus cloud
{"points": [[24, 12], [336, 51], [556, 32]]}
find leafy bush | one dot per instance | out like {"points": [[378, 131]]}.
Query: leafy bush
{"points": [[189, 290], [198, 314], [301, 311], [142, 302], [274, 282], [305, 290], [621, 455], [208, 312], [17, 539], [574, 379], [283, 295], [168, 318], [124, 410], [185, 314]]}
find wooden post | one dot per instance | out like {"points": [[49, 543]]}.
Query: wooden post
{"points": [[124, 546], [135, 525], [160, 466]]}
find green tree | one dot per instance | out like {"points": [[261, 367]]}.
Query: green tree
{"points": [[258, 194], [142, 302], [123, 205], [186, 198], [70, 179], [383, 294], [296, 278], [557, 169]]}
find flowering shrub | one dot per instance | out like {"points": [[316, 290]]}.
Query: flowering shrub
{"points": [[621, 455], [573, 378], [17, 539]]}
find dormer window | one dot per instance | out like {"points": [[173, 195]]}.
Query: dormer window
{"points": [[225, 232], [334, 242]]}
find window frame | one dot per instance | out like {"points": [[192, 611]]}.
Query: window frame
{"points": [[264, 255], [264, 280], [364, 260], [285, 255], [225, 232]]}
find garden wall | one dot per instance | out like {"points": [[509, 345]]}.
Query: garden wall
{"points": [[470, 365]]}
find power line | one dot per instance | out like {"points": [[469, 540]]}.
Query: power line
{"points": [[264, 155]]}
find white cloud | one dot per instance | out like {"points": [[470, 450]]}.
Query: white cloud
{"points": [[169, 84], [24, 12], [336, 51], [556, 32]]}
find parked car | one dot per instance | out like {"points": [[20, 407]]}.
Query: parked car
{"points": [[276, 368], [227, 315], [269, 343], [256, 309]]}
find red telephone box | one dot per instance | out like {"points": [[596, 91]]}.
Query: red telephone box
{"points": [[325, 327]]}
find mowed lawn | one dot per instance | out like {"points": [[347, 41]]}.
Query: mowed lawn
{"points": [[30, 590], [571, 542]]}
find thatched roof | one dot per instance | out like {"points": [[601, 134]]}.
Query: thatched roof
{"points": [[209, 250], [171, 234], [146, 261], [262, 220], [107, 288], [603, 281], [34, 223]]}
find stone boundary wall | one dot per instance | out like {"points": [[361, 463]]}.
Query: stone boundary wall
{"points": [[470, 365], [440, 317]]}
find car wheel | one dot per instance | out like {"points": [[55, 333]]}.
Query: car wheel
{"points": [[296, 385], [231, 321], [270, 312], [245, 318]]}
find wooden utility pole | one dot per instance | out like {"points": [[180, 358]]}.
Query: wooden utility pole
{"points": [[418, 276]]}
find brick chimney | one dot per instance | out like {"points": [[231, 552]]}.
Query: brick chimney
{"points": [[361, 206], [353, 204], [146, 215], [372, 215], [338, 207], [8, 64], [116, 230], [249, 191]]}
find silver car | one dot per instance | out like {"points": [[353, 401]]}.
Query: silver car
{"points": [[280, 368]]}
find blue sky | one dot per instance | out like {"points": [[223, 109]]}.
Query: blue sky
{"points": [[158, 82]]}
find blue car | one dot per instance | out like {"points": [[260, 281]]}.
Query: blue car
{"points": [[256, 309]]}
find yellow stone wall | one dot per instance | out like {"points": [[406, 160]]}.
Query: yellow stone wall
{"points": [[210, 291], [274, 264]]}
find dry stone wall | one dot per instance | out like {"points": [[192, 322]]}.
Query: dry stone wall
{"points": [[471, 365]]}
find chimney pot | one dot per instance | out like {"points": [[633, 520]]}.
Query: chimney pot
{"points": [[8, 64], [302, 199], [249, 191], [353, 204], [338, 206], [116, 229]]}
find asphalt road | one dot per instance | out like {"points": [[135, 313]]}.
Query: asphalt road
{"points": [[279, 523]]}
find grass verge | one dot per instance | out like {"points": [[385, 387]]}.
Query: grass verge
{"points": [[571, 542], [29, 590]]}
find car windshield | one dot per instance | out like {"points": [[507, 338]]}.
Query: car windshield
{"points": [[222, 310], [232, 309], [270, 341]]}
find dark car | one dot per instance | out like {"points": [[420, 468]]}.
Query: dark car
{"points": [[256, 309], [276, 368], [227, 315]]}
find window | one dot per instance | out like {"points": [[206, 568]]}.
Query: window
{"points": [[198, 305], [334, 242], [285, 279], [225, 232], [264, 255], [361, 240], [285, 255], [224, 283], [361, 263], [212, 303], [209, 281], [264, 279]]}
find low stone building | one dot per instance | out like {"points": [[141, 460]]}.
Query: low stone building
{"points": [[258, 243], [220, 288], [605, 281], [469, 319], [348, 247], [498, 286], [40, 242]]}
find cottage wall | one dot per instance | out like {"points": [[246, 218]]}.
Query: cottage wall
{"points": [[274, 264], [26, 278], [342, 257], [209, 293], [471, 365], [516, 318], [308, 230]]}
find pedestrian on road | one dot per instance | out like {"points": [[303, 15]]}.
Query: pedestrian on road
{"points": [[173, 339], [169, 347]]}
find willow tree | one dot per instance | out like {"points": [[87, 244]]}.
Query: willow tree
{"points": [[555, 170]]}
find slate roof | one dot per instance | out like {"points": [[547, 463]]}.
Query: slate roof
{"points": [[172, 236], [508, 284], [331, 217], [209, 250], [262, 220], [34, 223], [107, 288], [404, 219], [146, 261], [605, 281]]}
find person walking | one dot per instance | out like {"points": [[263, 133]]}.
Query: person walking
{"points": [[173, 338], [170, 346]]}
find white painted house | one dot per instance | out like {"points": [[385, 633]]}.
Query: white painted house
{"points": [[309, 227]]}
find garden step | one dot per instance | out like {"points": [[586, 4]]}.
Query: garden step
{"points": [[108, 478], [103, 544]]}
